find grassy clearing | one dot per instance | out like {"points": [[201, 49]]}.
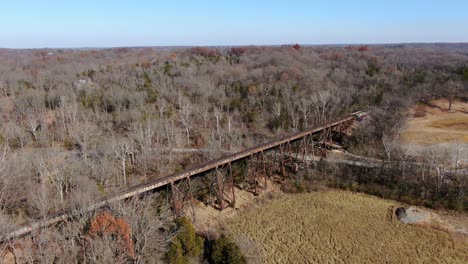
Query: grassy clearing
{"points": [[422, 137], [431, 125], [342, 227]]}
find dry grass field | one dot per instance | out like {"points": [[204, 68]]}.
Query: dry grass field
{"points": [[341, 227], [430, 125]]}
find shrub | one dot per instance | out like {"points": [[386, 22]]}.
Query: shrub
{"points": [[372, 70], [15, 143], [68, 144], [225, 251], [152, 95], [191, 243], [175, 254], [463, 72], [187, 244], [299, 186]]}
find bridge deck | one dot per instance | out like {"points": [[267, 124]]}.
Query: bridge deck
{"points": [[161, 182]]}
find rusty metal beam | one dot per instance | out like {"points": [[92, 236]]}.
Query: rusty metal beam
{"points": [[222, 187], [167, 180], [256, 175]]}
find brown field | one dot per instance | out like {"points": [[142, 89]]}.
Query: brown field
{"points": [[340, 227], [457, 124], [433, 125]]}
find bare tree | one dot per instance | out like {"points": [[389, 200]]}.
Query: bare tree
{"points": [[304, 107], [67, 115], [149, 226], [404, 154], [40, 198], [458, 155], [322, 102], [5, 226], [53, 171], [15, 135], [218, 115], [204, 112], [123, 150], [33, 126], [185, 116], [437, 160], [5, 178], [3, 85], [85, 135], [294, 116], [162, 107], [144, 135], [390, 142], [277, 109], [451, 92], [104, 250]]}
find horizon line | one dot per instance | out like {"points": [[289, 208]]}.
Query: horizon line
{"points": [[240, 45]]}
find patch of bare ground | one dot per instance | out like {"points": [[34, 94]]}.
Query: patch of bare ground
{"points": [[208, 219], [441, 220], [342, 227]]}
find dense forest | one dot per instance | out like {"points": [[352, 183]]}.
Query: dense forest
{"points": [[79, 124]]}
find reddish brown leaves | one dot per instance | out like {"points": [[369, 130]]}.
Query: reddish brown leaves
{"points": [[205, 52], [238, 51], [107, 224]]}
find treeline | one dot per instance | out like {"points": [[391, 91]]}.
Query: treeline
{"points": [[428, 176]]}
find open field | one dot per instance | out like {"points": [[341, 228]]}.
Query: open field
{"points": [[341, 227], [432, 125]]}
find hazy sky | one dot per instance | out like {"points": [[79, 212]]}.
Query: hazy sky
{"points": [[110, 23]]}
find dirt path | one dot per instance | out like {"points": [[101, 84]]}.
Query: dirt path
{"points": [[206, 218]]}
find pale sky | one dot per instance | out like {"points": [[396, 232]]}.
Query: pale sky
{"points": [[107, 23]]}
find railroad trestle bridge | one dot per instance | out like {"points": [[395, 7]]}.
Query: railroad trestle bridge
{"points": [[214, 182]]}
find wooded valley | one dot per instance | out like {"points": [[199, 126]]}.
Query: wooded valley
{"points": [[80, 124]]}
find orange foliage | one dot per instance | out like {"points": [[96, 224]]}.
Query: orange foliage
{"points": [[107, 224], [332, 55], [173, 56], [145, 64], [205, 52], [83, 54]]}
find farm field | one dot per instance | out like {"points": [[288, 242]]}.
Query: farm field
{"points": [[340, 227], [435, 125]]}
